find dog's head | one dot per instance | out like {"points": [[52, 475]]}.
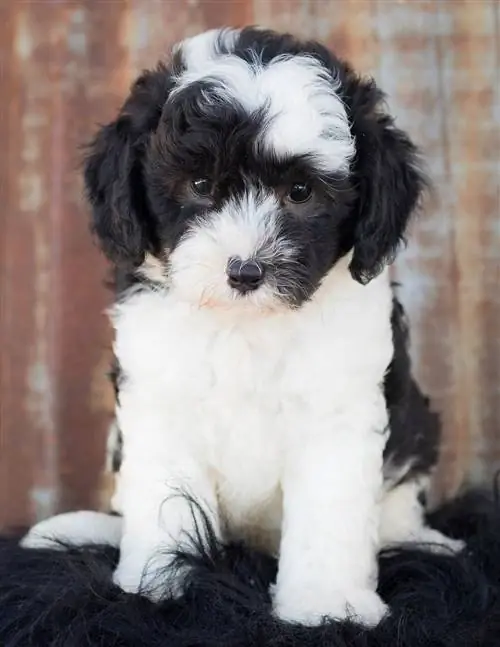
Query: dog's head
{"points": [[247, 168]]}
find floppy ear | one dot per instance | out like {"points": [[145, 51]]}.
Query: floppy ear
{"points": [[389, 182], [113, 172]]}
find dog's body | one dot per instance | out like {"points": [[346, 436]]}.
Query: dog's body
{"points": [[259, 190], [255, 415], [276, 411]]}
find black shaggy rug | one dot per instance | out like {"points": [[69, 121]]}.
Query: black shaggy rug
{"points": [[66, 599]]}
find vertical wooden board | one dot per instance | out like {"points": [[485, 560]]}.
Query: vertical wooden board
{"points": [[474, 145], [154, 26], [293, 16], [431, 69], [469, 67], [52, 425], [409, 71], [490, 331], [347, 27], [218, 13], [17, 317], [33, 212], [91, 42]]}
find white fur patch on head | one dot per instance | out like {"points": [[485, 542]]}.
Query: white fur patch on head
{"points": [[246, 228], [297, 94], [198, 50]]}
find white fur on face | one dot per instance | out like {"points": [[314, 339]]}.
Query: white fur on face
{"points": [[153, 268], [245, 228], [299, 96]]}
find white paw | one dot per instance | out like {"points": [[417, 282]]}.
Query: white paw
{"points": [[432, 541], [129, 580], [37, 538], [362, 606], [456, 545], [436, 542], [74, 528], [154, 581]]}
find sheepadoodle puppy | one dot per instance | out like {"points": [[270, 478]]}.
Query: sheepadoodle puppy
{"points": [[256, 190]]}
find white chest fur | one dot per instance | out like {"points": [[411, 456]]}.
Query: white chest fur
{"points": [[239, 392]]}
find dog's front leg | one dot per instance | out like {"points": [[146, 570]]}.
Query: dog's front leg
{"points": [[162, 505], [328, 556], [162, 481]]}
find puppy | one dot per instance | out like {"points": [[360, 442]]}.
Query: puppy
{"points": [[254, 191]]}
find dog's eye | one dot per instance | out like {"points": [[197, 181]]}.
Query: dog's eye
{"points": [[202, 187], [299, 192]]}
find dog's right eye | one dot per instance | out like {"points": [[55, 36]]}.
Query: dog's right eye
{"points": [[299, 192], [202, 187]]}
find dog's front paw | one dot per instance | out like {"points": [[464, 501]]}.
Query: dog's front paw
{"points": [[362, 606], [129, 579], [156, 581]]}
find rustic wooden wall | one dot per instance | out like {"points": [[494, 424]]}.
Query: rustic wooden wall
{"points": [[65, 65]]}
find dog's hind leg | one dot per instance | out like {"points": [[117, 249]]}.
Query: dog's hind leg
{"points": [[403, 521], [75, 529]]}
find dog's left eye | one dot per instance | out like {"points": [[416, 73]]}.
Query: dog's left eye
{"points": [[202, 187], [299, 192]]}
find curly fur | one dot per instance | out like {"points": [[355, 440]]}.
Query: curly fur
{"points": [[261, 390], [67, 599]]}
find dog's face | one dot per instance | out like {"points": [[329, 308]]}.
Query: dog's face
{"points": [[245, 170]]}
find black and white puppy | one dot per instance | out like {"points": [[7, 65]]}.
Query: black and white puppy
{"points": [[257, 190]]}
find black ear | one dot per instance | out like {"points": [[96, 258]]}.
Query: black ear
{"points": [[389, 181], [113, 172]]}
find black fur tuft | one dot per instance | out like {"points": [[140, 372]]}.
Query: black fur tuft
{"points": [[412, 449]]}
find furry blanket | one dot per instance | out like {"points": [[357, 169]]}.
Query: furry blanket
{"points": [[66, 599]]}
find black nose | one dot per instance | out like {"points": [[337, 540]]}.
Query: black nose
{"points": [[244, 276]]}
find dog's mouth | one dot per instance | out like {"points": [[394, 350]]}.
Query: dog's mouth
{"points": [[242, 299]]}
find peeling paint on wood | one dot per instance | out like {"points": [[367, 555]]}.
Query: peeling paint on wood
{"points": [[66, 66]]}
